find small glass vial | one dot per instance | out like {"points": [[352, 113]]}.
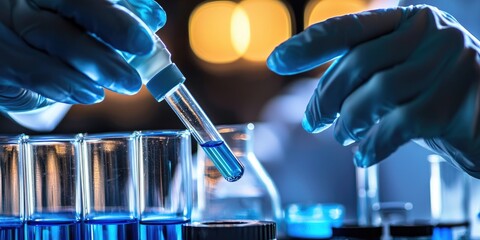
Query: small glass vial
{"points": [[253, 197], [411, 232], [367, 195]]}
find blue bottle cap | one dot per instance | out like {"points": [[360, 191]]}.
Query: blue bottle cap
{"points": [[164, 81]]}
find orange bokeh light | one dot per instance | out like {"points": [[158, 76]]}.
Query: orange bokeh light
{"points": [[224, 31]]}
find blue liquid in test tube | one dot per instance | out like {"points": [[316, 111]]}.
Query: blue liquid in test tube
{"points": [[165, 82], [219, 150]]}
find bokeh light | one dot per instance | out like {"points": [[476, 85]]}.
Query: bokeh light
{"points": [[320, 10], [270, 24], [240, 30], [224, 31], [210, 32]]}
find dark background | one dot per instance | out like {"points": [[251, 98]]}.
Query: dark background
{"points": [[229, 93]]}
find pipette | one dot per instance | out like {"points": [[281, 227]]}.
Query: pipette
{"points": [[165, 81]]}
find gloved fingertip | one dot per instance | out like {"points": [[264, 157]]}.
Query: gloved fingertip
{"points": [[347, 142], [363, 160], [130, 85], [141, 41], [276, 64], [88, 98], [366, 154], [98, 98], [131, 91], [358, 159], [272, 61], [342, 134], [306, 125], [311, 127]]}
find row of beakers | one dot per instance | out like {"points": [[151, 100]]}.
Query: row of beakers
{"points": [[134, 185]]}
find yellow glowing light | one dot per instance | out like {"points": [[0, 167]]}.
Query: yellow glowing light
{"points": [[270, 24], [240, 30], [210, 32], [320, 10]]}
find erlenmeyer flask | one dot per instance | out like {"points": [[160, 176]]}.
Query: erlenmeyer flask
{"points": [[253, 197]]}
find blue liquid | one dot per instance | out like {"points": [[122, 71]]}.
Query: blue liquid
{"points": [[13, 232], [111, 230], [223, 158], [161, 230], [442, 234], [48, 230]]}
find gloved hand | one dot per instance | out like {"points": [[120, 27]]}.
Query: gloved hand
{"points": [[65, 50], [403, 73]]}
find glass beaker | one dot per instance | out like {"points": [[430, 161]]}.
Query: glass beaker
{"points": [[53, 186], [449, 191], [253, 197], [110, 186], [11, 188], [165, 183], [449, 199]]}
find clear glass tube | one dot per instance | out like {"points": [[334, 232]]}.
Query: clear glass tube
{"points": [[190, 113], [165, 81], [367, 195]]}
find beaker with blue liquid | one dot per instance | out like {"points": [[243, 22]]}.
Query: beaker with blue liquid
{"points": [[165, 175], [53, 187], [11, 188], [110, 185]]}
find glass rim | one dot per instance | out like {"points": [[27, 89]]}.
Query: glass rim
{"points": [[107, 135], [164, 133], [11, 139], [50, 138]]}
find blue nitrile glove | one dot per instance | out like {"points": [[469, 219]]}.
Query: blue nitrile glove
{"points": [[403, 73], [51, 52]]}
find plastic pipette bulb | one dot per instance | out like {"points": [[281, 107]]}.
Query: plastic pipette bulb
{"points": [[165, 81]]}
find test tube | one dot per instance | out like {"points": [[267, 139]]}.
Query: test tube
{"points": [[165, 81]]}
